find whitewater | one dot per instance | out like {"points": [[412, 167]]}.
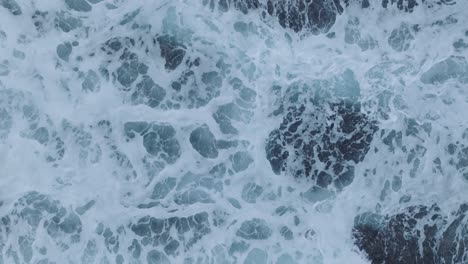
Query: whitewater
{"points": [[240, 131]]}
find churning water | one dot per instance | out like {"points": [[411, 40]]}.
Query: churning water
{"points": [[233, 131]]}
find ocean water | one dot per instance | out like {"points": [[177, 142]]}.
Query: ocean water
{"points": [[233, 131]]}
